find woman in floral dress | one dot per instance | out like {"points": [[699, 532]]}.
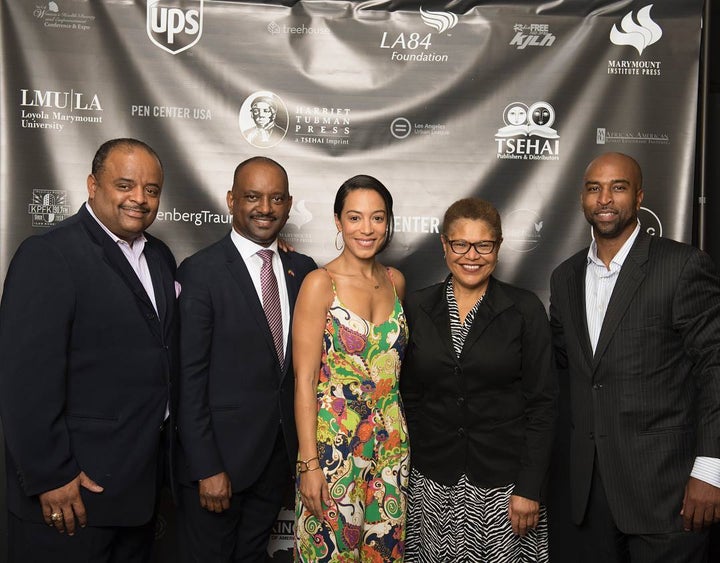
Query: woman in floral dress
{"points": [[349, 338]]}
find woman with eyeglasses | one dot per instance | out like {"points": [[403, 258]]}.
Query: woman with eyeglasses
{"points": [[480, 400]]}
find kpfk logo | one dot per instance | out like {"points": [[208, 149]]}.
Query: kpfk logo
{"points": [[174, 26], [48, 207], [528, 133], [639, 34]]}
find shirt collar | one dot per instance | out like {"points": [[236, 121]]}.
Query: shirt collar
{"points": [[619, 258], [141, 238], [247, 248]]}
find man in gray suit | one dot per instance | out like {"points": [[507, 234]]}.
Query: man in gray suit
{"points": [[636, 324]]}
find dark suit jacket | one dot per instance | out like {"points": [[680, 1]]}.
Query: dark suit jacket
{"points": [[491, 413], [648, 400], [85, 370], [234, 395]]}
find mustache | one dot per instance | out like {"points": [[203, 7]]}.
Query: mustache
{"points": [[141, 208], [266, 216]]}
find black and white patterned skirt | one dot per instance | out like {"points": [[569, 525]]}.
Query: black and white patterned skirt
{"points": [[463, 523]]}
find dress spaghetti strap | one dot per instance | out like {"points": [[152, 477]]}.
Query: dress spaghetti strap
{"points": [[332, 280]]}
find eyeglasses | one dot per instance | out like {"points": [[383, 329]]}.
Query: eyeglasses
{"points": [[481, 247]]}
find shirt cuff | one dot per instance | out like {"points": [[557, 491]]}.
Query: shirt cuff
{"points": [[707, 469]]}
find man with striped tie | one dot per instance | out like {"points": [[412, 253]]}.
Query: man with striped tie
{"points": [[235, 416]]}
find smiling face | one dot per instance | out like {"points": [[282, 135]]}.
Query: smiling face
{"points": [[611, 196], [259, 202], [124, 193], [470, 271], [363, 222]]}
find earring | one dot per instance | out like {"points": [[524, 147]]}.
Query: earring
{"points": [[339, 244]]}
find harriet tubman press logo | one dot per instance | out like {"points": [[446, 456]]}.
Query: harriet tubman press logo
{"points": [[263, 119], [48, 207]]}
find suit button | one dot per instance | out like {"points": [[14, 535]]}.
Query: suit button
{"points": [[461, 432], [460, 401], [456, 371], [597, 386], [592, 435]]}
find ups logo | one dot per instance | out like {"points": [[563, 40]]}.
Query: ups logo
{"points": [[174, 25]]}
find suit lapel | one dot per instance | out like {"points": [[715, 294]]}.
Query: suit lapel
{"points": [[629, 280], [576, 291], [240, 274], [292, 285], [118, 262], [494, 303], [163, 285], [435, 306]]}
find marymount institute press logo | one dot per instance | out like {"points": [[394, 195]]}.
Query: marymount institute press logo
{"points": [[641, 34]]}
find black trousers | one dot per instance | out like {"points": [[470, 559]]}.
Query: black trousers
{"points": [[35, 542], [600, 541], [241, 533]]}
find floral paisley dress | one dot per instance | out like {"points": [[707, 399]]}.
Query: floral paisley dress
{"points": [[362, 442]]}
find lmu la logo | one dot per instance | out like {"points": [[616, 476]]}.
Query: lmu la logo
{"points": [[174, 25]]}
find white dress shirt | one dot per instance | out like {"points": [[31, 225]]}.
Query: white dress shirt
{"points": [[135, 256], [248, 251]]}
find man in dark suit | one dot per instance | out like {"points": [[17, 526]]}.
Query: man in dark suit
{"points": [[87, 324], [636, 323], [236, 419]]}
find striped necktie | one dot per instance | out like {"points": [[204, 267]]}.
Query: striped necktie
{"points": [[271, 301]]}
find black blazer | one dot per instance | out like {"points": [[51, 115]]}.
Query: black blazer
{"points": [[491, 413], [648, 400], [85, 370], [234, 395]]}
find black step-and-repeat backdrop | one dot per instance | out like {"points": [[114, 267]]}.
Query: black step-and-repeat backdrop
{"points": [[508, 100]]}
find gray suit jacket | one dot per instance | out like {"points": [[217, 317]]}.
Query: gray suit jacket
{"points": [[648, 400]]}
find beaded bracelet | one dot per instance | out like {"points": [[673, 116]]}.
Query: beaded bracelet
{"points": [[303, 467]]}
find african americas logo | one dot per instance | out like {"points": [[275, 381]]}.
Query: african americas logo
{"points": [[639, 34]]}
